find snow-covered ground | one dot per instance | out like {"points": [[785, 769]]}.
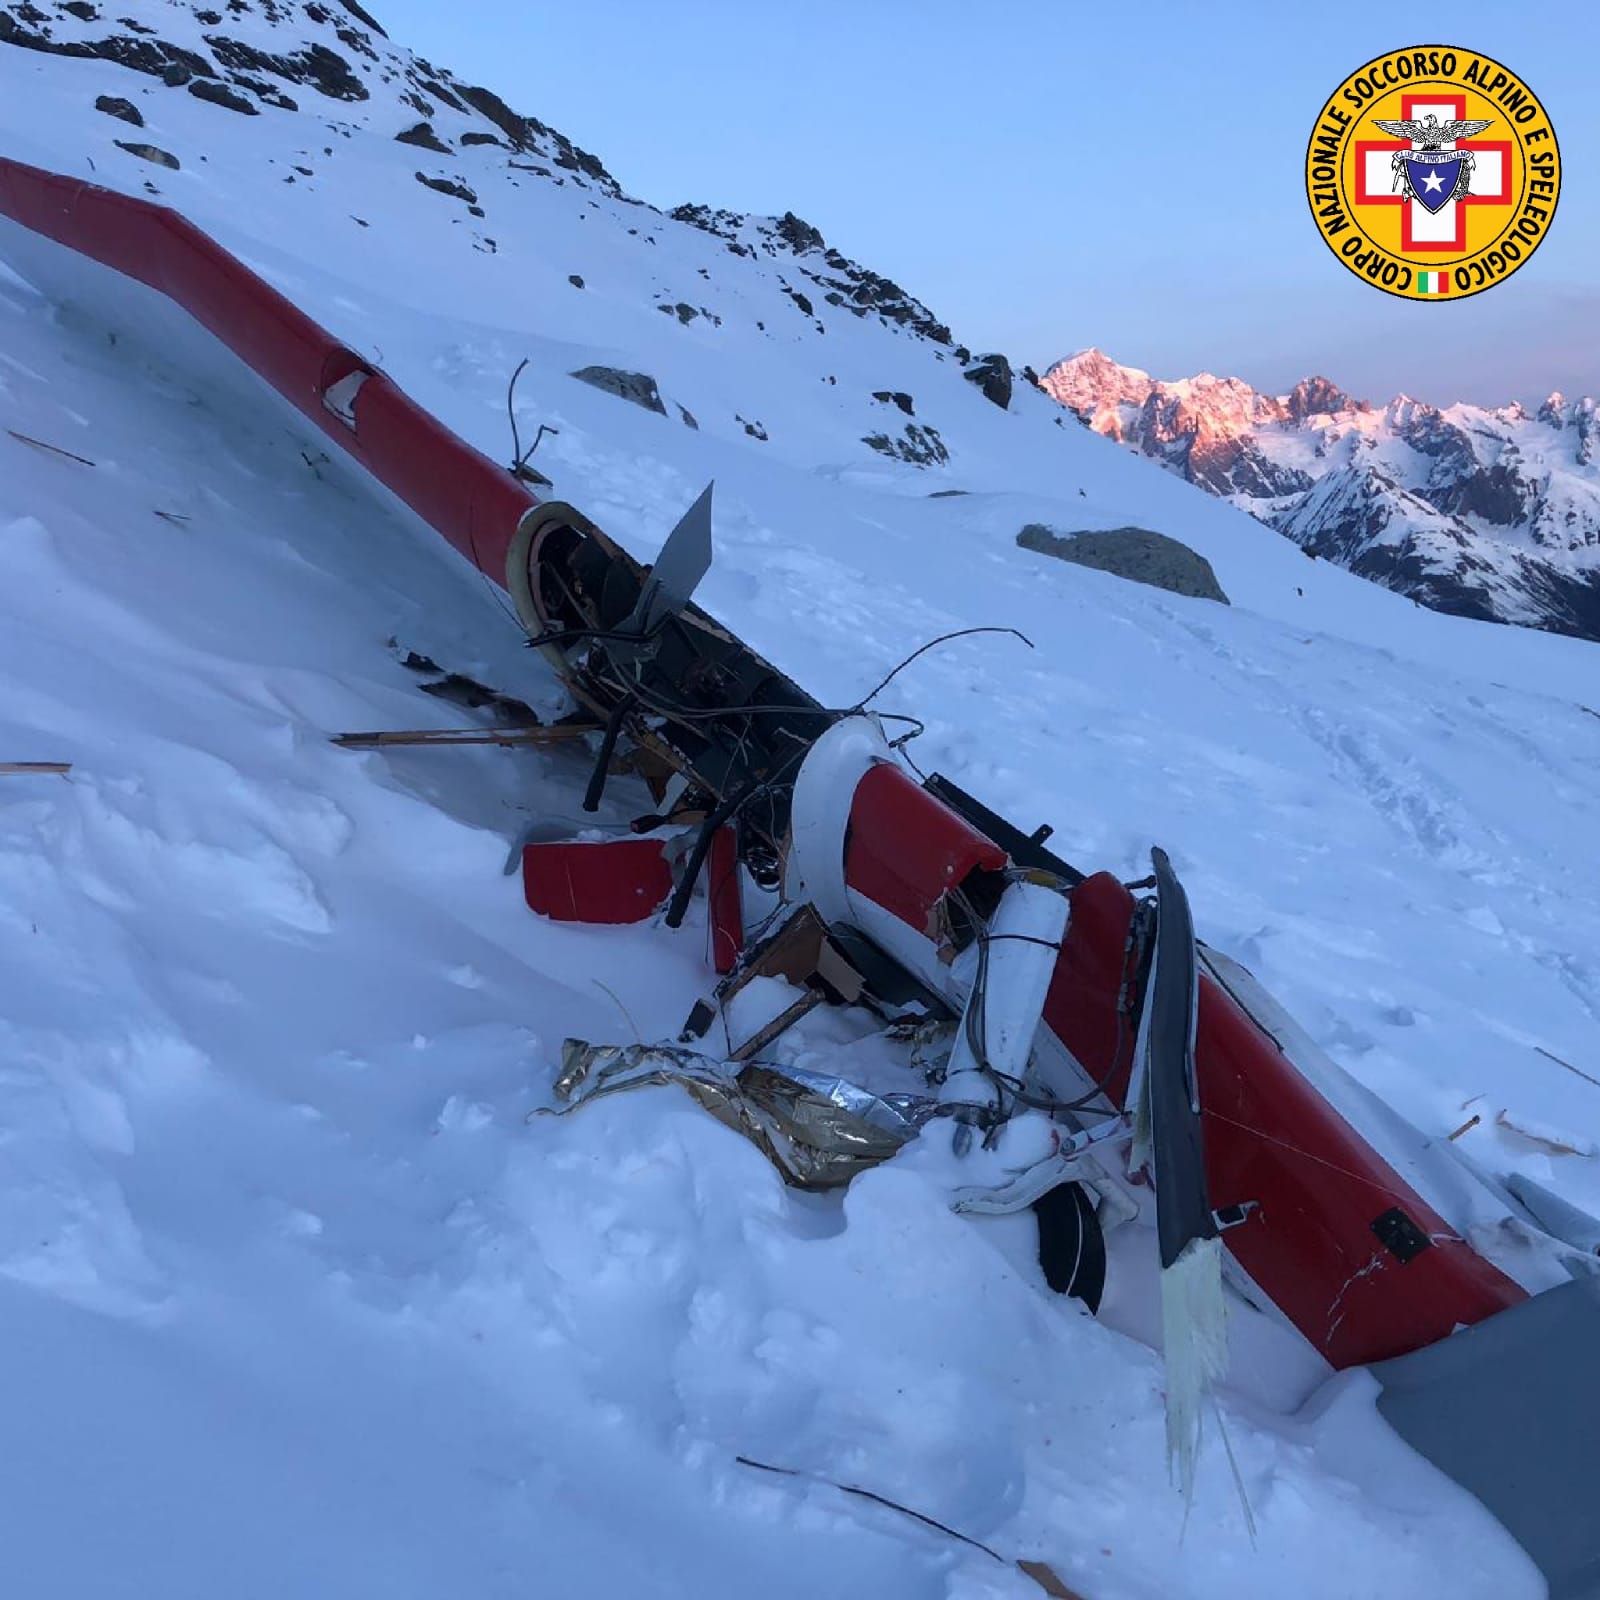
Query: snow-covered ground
{"points": [[296, 1301]]}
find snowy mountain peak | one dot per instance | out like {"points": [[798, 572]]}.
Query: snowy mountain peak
{"points": [[261, 96], [1319, 396], [1091, 381], [254, 57], [1468, 509]]}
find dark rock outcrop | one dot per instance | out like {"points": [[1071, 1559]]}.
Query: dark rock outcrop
{"points": [[450, 186], [992, 374], [844, 283], [919, 446], [154, 57], [424, 138], [315, 67], [362, 16], [219, 94], [528, 133], [639, 388], [122, 110], [799, 236]]}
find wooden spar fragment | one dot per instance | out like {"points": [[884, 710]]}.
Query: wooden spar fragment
{"points": [[1048, 1579], [54, 449], [1552, 1140], [786, 1019], [1041, 1572], [1466, 1127], [1578, 1071], [559, 733], [19, 769]]}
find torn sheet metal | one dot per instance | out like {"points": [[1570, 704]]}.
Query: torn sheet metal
{"points": [[898, 1115], [818, 1131], [607, 881]]}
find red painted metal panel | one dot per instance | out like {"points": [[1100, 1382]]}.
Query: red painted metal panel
{"points": [[1270, 1137], [459, 491], [726, 909], [1310, 1245], [905, 848], [614, 881], [1081, 1008]]}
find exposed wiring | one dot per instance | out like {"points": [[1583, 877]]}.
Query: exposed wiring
{"points": [[877, 1499], [519, 456], [975, 1023], [511, 413], [922, 649]]}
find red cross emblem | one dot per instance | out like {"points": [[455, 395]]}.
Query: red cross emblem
{"points": [[1443, 229]]}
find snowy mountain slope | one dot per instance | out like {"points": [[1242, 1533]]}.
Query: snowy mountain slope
{"points": [[277, 1033], [1489, 514]]}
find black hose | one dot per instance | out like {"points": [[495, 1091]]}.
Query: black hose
{"points": [[608, 746], [678, 906]]}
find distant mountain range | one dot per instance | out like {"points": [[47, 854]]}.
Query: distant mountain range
{"points": [[1485, 513]]}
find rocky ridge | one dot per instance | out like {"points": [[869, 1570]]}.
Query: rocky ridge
{"points": [[1493, 514]]}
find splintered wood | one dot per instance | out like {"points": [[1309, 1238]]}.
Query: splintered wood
{"points": [[1045, 1576], [561, 733], [1554, 1141], [53, 449]]}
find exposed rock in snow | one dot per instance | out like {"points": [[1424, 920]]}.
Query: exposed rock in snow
{"points": [[424, 138], [1137, 554], [150, 152], [845, 283], [123, 110], [637, 387], [450, 186], [918, 445], [1468, 510], [219, 94], [992, 374]]}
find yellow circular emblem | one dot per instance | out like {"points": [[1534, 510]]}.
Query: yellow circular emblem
{"points": [[1433, 172]]}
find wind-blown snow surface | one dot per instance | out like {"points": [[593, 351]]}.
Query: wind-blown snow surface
{"points": [[296, 1300]]}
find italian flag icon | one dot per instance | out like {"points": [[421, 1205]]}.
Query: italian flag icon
{"points": [[1433, 283]]}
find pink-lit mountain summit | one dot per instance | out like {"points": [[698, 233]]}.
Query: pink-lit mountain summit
{"points": [[1485, 513]]}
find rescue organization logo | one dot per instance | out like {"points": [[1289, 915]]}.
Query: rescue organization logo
{"points": [[1433, 173]]}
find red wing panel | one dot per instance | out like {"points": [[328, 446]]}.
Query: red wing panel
{"points": [[905, 848], [1309, 1244], [1081, 1008], [458, 490]]}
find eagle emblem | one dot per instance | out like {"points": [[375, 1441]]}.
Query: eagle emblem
{"points": [[1427, 172]]}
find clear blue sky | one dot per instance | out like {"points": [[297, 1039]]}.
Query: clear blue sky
{"points": [[1049, 174]]}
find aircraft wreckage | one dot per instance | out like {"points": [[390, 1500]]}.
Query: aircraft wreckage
{"points": [[1065, 1040]]}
